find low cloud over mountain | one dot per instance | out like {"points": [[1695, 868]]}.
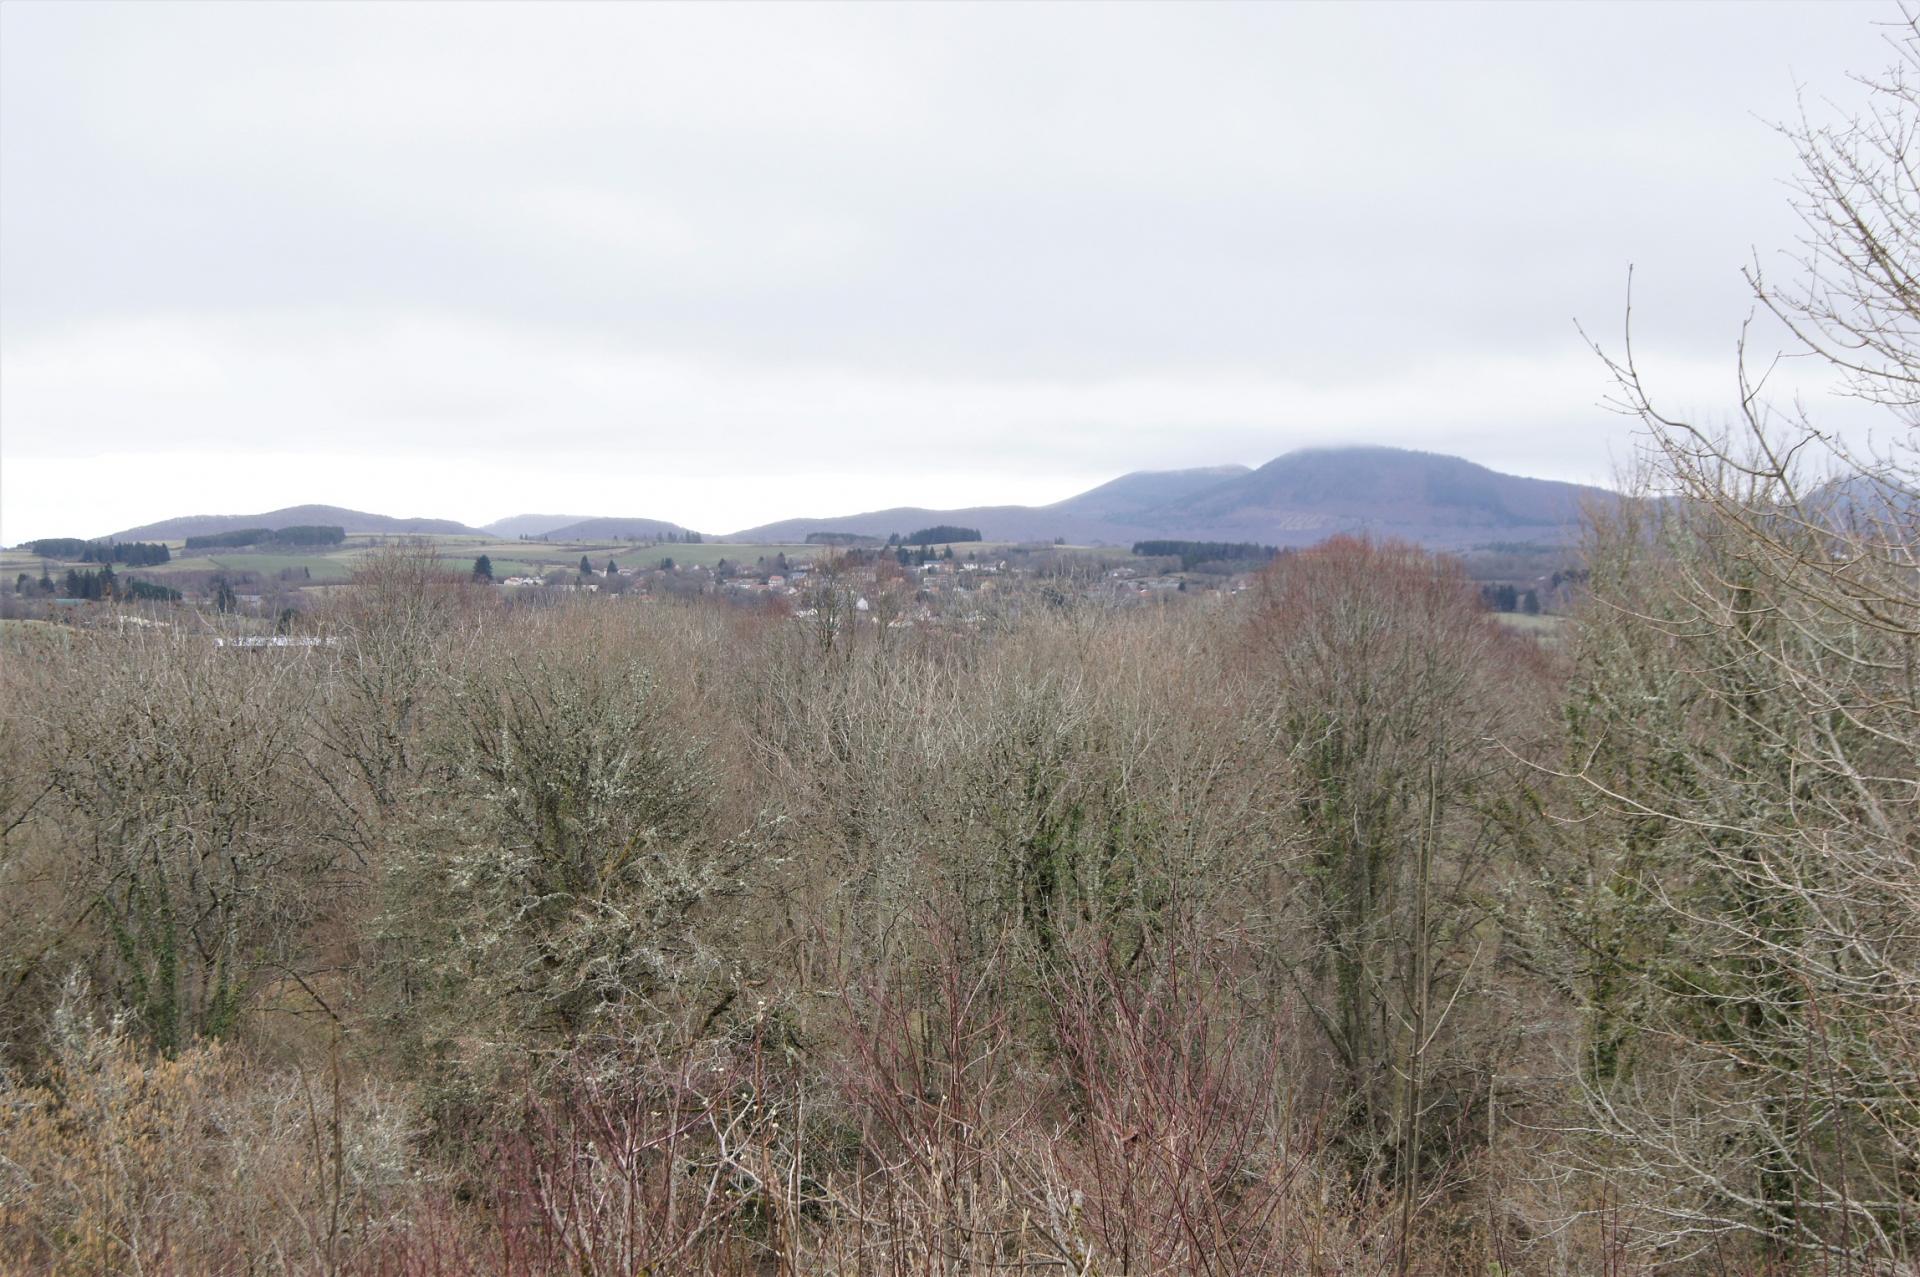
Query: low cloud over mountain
{"points": [[1298, 498]]}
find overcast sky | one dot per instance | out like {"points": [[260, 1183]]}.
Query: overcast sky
{"points": [[732, 263]]}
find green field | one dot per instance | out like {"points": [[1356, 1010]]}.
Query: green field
{"points": [[1544, 626], [708, 553], [324, 567]]}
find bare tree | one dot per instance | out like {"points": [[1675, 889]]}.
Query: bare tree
{"points": [[561, 865], [189, 836], [1749, 742], [1392, 691], [392, 632]]}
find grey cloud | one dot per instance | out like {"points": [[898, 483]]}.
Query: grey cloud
{"points": [[971, 198]]}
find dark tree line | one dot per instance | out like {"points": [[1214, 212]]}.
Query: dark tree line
{"points": [[137, 554], [939, 534], [1193, 553], [149, 591], [106, 585], [79, 584], [229, 540], [300, 535], [1509, 598], [674, 537], [907, 558], [90, 585], [309, 534]]}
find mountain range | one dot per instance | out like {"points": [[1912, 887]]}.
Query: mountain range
{"points": [[560, 527], [1298, 498], [1295, 499]]}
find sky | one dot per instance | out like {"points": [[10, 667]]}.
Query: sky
{"points": [[734, 263]]}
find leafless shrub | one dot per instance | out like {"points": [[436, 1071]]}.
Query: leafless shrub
{"points": [[1747, 736], [125, 1161], [177, 820], [563, 863]]}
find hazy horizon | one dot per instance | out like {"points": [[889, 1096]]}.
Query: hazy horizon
{"points": [[725, 266], [796, 515]]}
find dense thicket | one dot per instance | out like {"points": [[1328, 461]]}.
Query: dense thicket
{"points": [[1331, 928], [1337, 930]]}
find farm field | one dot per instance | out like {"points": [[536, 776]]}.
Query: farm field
{"points": [[17, 633], [1545, 626], [509, 558], [324, 567]]}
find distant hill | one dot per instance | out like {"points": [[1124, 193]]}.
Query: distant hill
{"points": [[531, 525], [1295, 499], [1134, 495], [1866, 502], [1107, 513], [293, 516], [1422, 496], [996, 523], [614, 530]]}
